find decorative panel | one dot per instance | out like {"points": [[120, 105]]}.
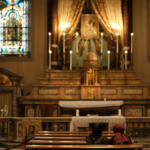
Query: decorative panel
{"points": [[131, 91], [30, 112], [48, 91], [136, 112], [72, 91], [148, 112], [109, 91]]}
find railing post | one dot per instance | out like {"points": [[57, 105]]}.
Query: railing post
{"points": [[132, 130], [47, 126]]}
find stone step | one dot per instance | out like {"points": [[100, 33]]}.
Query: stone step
{"points": [[62, 74], [116, 74], [119, 81], [60, 81]]}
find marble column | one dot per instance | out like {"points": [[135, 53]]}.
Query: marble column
{"points": [[127, 22], [53, 27]]}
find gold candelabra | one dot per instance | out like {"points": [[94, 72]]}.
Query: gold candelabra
{"points": [[131, 65], [63, 61], [101, 65], [77, 67], [117, 61]]}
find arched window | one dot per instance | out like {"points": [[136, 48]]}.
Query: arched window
{"points": [[14, 28]]}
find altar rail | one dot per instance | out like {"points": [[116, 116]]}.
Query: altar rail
{"points": [[11, 128]]}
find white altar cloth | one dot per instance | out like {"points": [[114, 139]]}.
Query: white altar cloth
{"points": [[89, 104], [83, 121]]}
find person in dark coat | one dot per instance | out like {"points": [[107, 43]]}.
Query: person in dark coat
{"points": [[96, 136]]}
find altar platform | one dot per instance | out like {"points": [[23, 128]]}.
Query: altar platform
{"points": [[110, 84]]}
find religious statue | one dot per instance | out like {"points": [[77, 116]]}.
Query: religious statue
{"points": [[12, 25], [112, 47]]}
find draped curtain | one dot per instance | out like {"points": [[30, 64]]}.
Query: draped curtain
{"points": [[69, 11], [6, 99], [114, 12], [64, 7], [109, 11]]}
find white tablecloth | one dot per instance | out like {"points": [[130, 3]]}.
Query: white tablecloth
{"points": [[89, 104], [84, 121]]}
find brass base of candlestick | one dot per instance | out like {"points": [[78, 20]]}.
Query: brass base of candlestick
{"points": [[117, 61], [63, 61], [101, 65], [77, 68]]}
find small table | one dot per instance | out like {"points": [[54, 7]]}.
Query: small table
{"points": [[83, 121]]}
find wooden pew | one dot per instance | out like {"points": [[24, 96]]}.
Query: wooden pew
{"points": [[70, 135], [71, 132], [57, 142], [62, 138], [59, 138], [49, 147]]}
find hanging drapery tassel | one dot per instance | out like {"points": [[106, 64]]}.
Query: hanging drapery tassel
{"points": [[74, 37], [96, 47], [99, 43], [82, 48], [79, 44]]}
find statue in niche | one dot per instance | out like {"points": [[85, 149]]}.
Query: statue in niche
{"points": [[112, 47]]}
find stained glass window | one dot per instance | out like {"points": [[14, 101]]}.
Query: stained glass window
{"points": [[14, 28]]}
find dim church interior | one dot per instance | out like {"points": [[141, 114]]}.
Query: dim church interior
{"points": [[81, 63]]}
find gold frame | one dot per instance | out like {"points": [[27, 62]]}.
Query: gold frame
{"points": [[82, 26]]}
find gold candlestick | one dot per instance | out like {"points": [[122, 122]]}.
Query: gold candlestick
{"points": [[101, 65], [116, 61], [77, 67], [63, 61], [131, 65]]}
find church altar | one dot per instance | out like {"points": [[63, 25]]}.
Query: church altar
{"points": [[89, 104], [84, 121]]}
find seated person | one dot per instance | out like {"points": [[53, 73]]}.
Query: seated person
{"points": [[120, 137], [96, 136]]}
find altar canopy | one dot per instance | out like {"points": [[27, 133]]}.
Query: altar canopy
{"points": [[89, 104], [106, 11]]}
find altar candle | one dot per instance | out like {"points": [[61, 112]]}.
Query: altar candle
{"points": [[117, 43], [70, 59], [119, 112], [108, 60], [132, 42], [126, 59], [77, 112], [63, 42], [50, 52], [49, 40], [102, 42], [77, 42]]}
